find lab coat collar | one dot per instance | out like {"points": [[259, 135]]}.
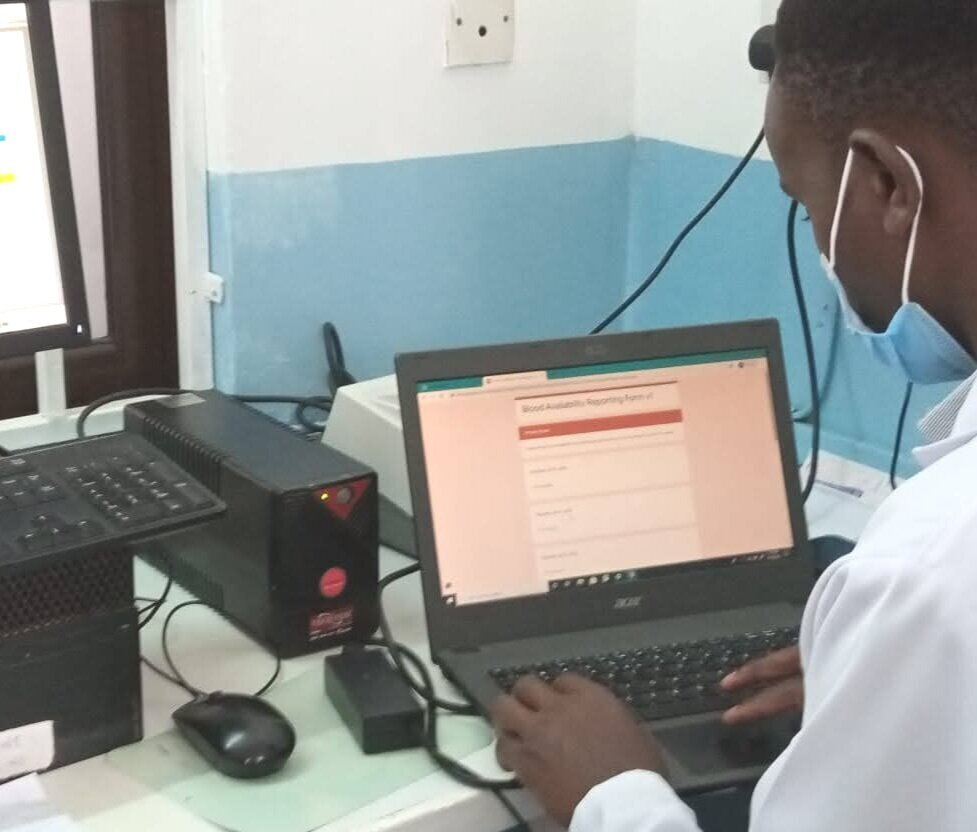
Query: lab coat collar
{"points": [[959, 410]]}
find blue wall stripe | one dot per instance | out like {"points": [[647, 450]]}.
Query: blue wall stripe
{"points": [[531, 243], [413, 255]]}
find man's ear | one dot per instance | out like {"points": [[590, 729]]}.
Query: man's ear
{"points": [[892, 179]]}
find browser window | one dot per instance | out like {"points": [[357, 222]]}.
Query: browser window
{"points": [[565, 479]]}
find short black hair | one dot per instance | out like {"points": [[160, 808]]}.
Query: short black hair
{"points": [[898, 58]]}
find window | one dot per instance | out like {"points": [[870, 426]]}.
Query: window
{"points": [[115, 101], [27, 242]]}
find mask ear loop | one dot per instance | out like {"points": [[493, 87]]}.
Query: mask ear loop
{"points": [[839, 208], [911, 253]]}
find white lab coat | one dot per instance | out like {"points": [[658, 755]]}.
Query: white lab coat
{"points": [[889, 648]]}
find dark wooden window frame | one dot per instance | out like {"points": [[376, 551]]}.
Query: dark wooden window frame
{"points": [[132, 104]]}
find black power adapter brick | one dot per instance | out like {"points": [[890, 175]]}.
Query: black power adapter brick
{"points": [[374, 701]]}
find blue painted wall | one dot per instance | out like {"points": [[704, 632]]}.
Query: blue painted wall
{"points": [[518, 244], [414, 254]]}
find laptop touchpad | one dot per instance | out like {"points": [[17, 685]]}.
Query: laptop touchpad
{"points": [[709, 747]]}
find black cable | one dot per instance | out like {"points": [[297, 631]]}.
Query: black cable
{"points": [[303, 404], [812, 365], [117, 397], [339, 376], [677, 244], [178, 678], [320, 403], [900, 433], [403, 655], [453, 768], [154, 608], [425, 691], [521, 823], [166, 676], [828, 373]]}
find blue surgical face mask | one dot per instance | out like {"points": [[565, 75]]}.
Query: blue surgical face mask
{"points": [[914, 342]]}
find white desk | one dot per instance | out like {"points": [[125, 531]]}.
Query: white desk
{"points": [[216, 657]]}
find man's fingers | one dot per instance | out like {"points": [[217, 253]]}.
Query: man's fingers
{"points": [[776, 666], [514, 713], [785, 697], [571, 683], [510, 717], [532, 692], [505, 751]]}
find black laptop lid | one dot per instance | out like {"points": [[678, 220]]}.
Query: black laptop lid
{"points": [[567, 485]]}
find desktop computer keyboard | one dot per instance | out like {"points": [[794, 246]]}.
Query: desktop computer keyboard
{"points": [[93, 493], [663, 681]]}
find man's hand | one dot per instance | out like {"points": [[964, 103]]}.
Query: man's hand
{"points": [[563, 739], [783, 691]]}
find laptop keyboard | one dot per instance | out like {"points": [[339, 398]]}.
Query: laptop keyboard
{"points": [[666, 680]]}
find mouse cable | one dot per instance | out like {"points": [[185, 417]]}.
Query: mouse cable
{"points": [[152, 608], [177, 678], [900, 433], [425, 691], [154, 605], [795, 273], [677, 244]]}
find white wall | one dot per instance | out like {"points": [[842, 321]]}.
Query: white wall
{"points": [[693, 81], [296, 83]]}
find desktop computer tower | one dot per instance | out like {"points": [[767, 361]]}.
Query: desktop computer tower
{"points": [[69, 654]]}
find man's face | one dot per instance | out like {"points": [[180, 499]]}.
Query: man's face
{"points": [[869, 265]]}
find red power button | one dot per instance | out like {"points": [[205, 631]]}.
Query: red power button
{"points": [[333, 582]]}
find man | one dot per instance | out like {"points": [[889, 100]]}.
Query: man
{"points": [[872, 123]]}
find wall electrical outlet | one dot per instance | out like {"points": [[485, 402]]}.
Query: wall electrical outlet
{"points": [[480, 32]]}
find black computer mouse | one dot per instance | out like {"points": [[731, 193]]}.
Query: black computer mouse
{"points": [[240, 736]]}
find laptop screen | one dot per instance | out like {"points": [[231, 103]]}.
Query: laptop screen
{"points": [[565, 479]]}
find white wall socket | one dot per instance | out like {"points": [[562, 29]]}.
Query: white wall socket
{"points": [[480, 32]]}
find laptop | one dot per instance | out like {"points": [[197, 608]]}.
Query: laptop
{"points": [[626, 507]]}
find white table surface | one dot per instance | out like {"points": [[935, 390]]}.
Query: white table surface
{"points": [[214, 656]]}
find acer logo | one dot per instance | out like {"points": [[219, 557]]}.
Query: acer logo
{"points": [[628, 603]]}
